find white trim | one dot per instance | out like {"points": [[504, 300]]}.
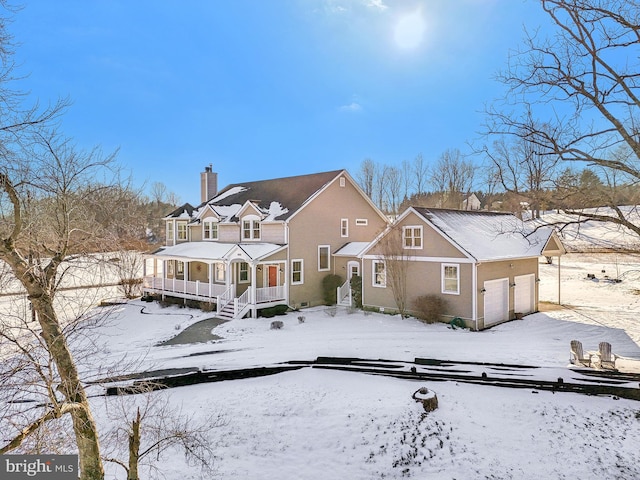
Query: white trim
{"points": [[328, 247], [442, 279], [426, 259], [383, 284], [301, 260], [362, 222], [404, 237], [344, 227], [344, 174], [211, 224], [186, 230]]}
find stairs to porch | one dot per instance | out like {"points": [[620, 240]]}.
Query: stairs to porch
{"points": [[227, 313]]}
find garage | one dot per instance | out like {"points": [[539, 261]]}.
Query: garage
{"points": [[524, 293], [496, 301]]}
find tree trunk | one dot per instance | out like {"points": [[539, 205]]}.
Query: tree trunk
{"points": [[84, 425], [134, 448]]}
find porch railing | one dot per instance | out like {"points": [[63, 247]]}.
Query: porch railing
{"points": [[270, 294], [225, 298], [344, 292], [186, 287]]}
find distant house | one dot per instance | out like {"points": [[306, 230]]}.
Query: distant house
{"points": [[258, 244], [471, 203], [484, 264]]}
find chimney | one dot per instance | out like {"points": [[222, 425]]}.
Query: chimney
{"points": [[208, 184]]}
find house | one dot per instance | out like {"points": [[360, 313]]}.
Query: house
{"points": [[258, 244], [485, 265], [471, 203]]}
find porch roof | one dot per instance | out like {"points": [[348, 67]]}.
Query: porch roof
{"points": [[351, 249], [209, 251]]}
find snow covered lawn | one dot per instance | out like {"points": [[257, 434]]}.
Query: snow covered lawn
{"points": [[319, 424]]}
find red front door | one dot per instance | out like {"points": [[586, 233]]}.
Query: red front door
{"points": [[273, 276]]}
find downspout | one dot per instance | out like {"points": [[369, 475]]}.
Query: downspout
{"points": [[287, 286], [474, 295]]}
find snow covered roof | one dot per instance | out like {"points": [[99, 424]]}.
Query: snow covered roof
{"points": [[208, 251], [184, 211], [487, 235], [276, 199], [352, 249]]}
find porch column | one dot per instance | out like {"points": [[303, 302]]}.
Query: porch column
{"points": [[252, 294], [210, 275]]}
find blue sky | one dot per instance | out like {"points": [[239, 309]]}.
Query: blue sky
{"points": [[268, 88]]}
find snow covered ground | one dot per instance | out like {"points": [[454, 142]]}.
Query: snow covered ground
{"points": [[319, 424]]}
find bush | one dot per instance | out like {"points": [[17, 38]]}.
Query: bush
{"points": [[330, 285], [356, 290], [270, 312], [429, 308]]}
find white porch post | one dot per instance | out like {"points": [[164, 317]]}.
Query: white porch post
{"points": [[252, 295], [210, 276]]}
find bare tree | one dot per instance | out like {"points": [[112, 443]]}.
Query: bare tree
{"points": [[420, 174], [586, 79], [46, 222], [392, 189], [366, 176], [522, 170], [396, 264], [452, 177], [154, 426]]}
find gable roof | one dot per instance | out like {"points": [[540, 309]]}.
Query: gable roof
{"points": [[184, 211], [487, 236], [276, 199]]}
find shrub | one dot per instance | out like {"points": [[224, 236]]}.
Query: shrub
{"points": [[429, 308], [207, 306], [270, 312], [330, 285], [356, 290]]}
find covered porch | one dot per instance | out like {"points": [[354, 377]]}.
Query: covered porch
{"points": [[238, 278]]}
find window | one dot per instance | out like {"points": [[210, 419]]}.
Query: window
{"points": [[209, 230], [344, 227], [412, 237], [297, 276], [170, 268], [170, 230], [323, 257], [182, 230], [180, 267], [243, 272], [362, 222], [251, 229], [379, 274], [343, 182], [450, 278], [219, 272]]}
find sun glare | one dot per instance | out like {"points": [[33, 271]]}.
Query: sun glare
{"points": [[410, 30]]}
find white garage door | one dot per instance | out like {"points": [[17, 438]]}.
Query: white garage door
{"points": [[524, 293], [496, 301]]}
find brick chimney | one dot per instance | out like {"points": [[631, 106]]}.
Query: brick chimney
{"points": [[208, 184]]}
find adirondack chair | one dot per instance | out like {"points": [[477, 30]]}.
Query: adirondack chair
{"points": [[607, 359], [577, 356]]}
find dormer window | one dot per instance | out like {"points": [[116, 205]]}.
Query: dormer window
{"points": [[209, 230], [251, 229], [181, 228]]}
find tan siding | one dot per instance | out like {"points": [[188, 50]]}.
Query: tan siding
{"points": [[433, 245], [229, 233], [423, 278], [505, 269], [318, 223], [195, 232], [273, 233]]}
